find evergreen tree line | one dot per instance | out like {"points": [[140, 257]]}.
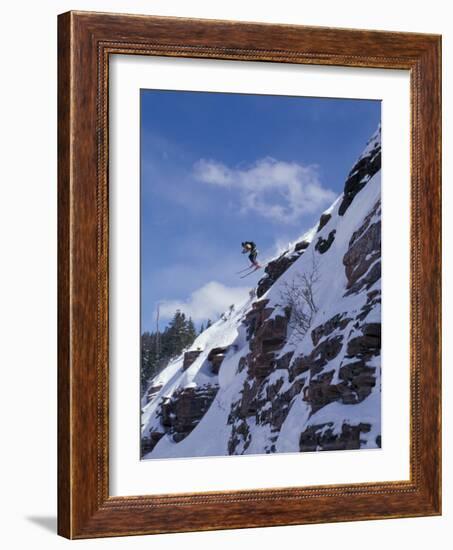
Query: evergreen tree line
{"points": [[158, 348]]}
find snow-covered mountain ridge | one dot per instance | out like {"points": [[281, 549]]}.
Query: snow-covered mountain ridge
{"points": [[257, 381]]}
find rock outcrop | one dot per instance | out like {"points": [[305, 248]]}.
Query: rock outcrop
{"points": [[365, 168], [323, 245], [152, 391], [322, 437], [216, 357], [275, 269], [267, 335], [181, 412], [189, 358], [323, 220]]}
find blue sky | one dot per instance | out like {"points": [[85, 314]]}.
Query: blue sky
{"points": [[218, 169]]}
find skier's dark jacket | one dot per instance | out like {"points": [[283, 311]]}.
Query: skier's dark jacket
{"points": [[250, 246]]}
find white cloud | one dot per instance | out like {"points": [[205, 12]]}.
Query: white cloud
{"points": [[206, 302], [278, 190], [280, 245]]}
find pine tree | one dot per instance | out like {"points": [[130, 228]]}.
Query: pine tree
{"points": [[147, 369], [173, 341], [159, 349], [191, 332], [201, 328]]}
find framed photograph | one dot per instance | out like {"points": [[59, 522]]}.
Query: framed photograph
{"points": [[249, 275]]}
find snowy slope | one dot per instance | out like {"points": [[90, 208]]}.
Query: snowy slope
{"points": [[256, 383]]}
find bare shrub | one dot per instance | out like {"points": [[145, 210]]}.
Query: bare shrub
{"points": [[299, 294]]}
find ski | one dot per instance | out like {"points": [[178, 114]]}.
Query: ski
{"points": [[245, 269], [250, 272]]}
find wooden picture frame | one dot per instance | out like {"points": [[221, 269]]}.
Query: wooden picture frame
{"points": [[85, 42]]}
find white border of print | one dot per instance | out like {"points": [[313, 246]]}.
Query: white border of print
{"points": [[128, 474]]}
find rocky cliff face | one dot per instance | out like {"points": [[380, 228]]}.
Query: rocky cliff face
{"points": [[272, 376]]}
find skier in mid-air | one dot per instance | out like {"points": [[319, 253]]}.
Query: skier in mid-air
{"points": [[249, 247]]}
